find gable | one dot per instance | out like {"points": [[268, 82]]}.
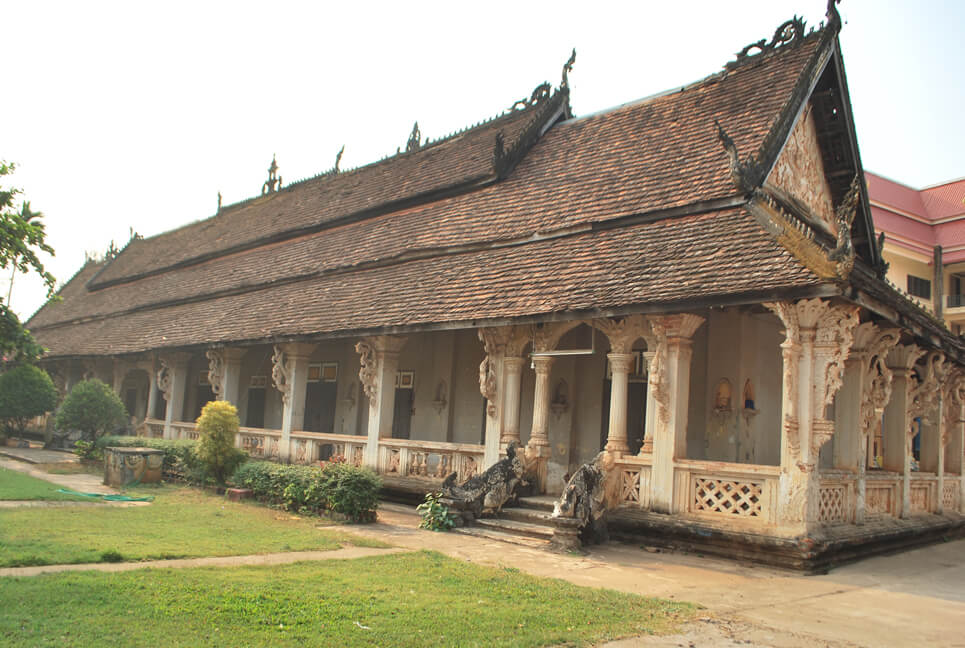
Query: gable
{"points": [[799, 171]]}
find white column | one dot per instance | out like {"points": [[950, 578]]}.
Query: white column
{"points": [[897, 422], [670, 432], [172, 380], [512, 372], [152, 393], [231, 376], [620, 365], [539, 443], [290, 375], [120, 370], [380, 364]]}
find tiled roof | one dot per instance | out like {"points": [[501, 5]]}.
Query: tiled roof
{"points": [[546, 239], [666, 262]]}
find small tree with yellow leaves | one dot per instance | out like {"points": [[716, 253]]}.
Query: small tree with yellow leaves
{"points": [[217, 428]]}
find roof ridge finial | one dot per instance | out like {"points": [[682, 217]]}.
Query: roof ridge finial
{"points": [[219, 201], [567, 68], [834, 18], [273, 183], [415, 139], [338, 157]]}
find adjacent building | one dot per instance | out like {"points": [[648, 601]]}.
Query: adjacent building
{"points": [[924, 243]]}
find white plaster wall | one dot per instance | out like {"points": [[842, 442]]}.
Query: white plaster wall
{"points": [[430, 356], [348, 397], [738, 345], [466, 401]]}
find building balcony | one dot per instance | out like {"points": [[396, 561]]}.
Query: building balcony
{"points": [[954, 301]]}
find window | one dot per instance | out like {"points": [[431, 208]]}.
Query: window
{"points": [[919, 287]]}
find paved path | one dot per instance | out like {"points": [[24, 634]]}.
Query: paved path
{"points": [[39, 455], [910, 599], [212, 561], [82, 482]]}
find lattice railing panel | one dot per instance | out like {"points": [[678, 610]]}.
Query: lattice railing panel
{"points": [[832, 504], [919, 499], [951, 494], [880, 500], [630, 485], [715, 495]]}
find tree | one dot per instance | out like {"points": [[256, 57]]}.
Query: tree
{"points": [[91, 407], [25, 392], [22, 238], [217, 428]]}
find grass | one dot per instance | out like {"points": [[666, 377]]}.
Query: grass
{"points": [[18, 486], [181, 523], [415, 599]]}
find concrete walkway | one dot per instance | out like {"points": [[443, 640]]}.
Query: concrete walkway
{"points": [[212, 561], [914, 598], [81, 482]]}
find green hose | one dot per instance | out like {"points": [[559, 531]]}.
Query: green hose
{"points": [[107, 497]]}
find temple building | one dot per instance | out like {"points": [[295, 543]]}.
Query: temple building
{"points": [[691, 282]]}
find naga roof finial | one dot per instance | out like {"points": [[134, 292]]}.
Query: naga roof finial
{"points": [[834, 18], [273, 183], [567, 68], [338, 158], [415, 139], [219, 201]]}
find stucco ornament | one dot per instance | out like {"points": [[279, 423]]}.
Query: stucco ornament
{"points": [[799, 171], [281, 373], [590, 492], [953, 397], [657, 369], [215, 370], [368, 373], [494, 343], [164, 379], [923, 395], [872, 344]]}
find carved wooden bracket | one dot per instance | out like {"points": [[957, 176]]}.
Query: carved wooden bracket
{"points": [[281, 373], [216, 370]]}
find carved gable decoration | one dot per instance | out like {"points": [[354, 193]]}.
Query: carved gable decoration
{"points": [[799, 171]]}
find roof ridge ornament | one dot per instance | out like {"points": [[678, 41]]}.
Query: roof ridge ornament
{"points": [[747, 175], [338, 160], [789, 32], [567, 68], [540, 94], [415, 137], [844, 215], [273, 183]]}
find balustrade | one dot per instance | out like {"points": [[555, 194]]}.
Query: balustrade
{"points": [[429, 459]]}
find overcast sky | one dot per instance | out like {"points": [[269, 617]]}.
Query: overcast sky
{"points": [[135, 114]]}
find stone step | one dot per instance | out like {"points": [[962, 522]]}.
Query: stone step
{"points": [[537, 502], [516, 528], [533, 516], [512, 538]]}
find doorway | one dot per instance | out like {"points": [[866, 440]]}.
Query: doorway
{"points": [[636, 414]]}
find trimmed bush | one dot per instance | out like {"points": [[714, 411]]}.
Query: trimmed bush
{"points": [[25, 392], [91, 407], [337, 488], [180, 460], [217, 427]]}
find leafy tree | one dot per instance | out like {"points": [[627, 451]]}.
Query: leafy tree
{"points": [[25, 392], [91, 407], [22, 238], [217, 428]]}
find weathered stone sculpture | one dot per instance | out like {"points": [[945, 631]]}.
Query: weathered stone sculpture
{"points": [[488, 491], [586, 499]]}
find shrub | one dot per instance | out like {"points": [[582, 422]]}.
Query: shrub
{"points": [[88, 450], [91, 407], [180, 460], [435, 514], [217, 428], [337, 488], [25, 392]]}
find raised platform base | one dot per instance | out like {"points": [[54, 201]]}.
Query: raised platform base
{"points": [[829, 547]]}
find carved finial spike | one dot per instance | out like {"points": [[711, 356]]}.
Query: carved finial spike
{"points": [[219, 201], [415, 139], [338, 158], [567, 68], [834, 18], [273, 183]]}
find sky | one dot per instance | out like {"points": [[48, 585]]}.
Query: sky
{"points": [[132, 116]]}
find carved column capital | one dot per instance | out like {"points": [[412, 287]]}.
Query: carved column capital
{"points": [[621, 362], [902, 358], [543, 364], [514, 364], [680, 328], [924, 393]]}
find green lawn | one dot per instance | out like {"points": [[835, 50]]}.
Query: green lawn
{"points": [[417, 599], [181, 522], [18, 486]]}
